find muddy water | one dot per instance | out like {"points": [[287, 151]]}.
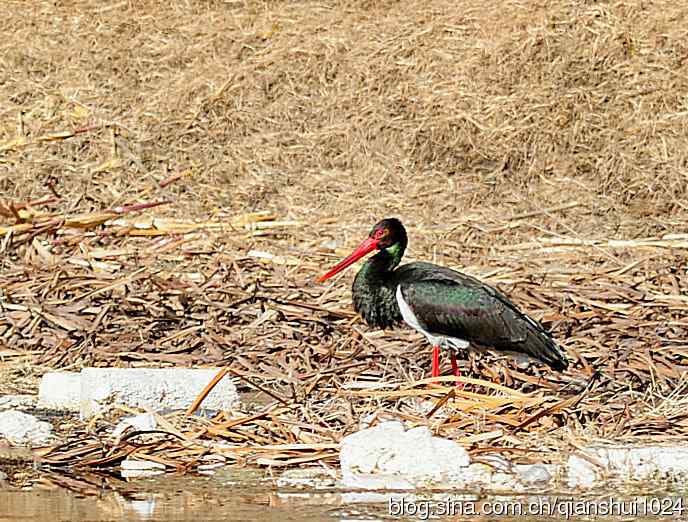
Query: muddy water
{"points": [[166, 498], [62, 505], [246, 496]]}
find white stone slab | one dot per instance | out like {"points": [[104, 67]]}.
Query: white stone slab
{"points": [[646, 464], [155, 389], [60, 391]]}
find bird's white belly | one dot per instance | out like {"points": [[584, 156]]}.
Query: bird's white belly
{"points": [[411, 320]]}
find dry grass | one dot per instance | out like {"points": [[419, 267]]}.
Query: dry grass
{"points": [[540, 145]]}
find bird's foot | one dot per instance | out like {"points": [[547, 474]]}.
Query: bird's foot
{"points": [[456, 370]]}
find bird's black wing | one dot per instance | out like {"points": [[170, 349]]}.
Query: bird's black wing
{"points": [[453, 304]]}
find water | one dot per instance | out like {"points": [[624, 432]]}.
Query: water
{"points": [[166, 498], [182, 504], [246, 495]]}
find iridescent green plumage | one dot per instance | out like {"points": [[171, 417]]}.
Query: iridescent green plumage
{"points": [[445, 303]]}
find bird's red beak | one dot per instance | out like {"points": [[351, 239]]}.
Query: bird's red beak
{"points": [[364, 248]]}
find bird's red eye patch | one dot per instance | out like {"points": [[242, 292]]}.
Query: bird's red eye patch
{"points": [[379, 233]]}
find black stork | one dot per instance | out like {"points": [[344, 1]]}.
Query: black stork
{"points": [[451, 309]]}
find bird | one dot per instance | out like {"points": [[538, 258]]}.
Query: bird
{"points": [[451, 309]]}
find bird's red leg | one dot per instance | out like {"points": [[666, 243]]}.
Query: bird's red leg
{"points": [[435, 361], [455, 369]]}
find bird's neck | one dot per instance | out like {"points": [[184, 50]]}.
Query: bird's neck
{"points": [[379, 267], [374, 288]]}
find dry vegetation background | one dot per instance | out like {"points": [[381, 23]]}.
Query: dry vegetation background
{"points": [[540, 145]]}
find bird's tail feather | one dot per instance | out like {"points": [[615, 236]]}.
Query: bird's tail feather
{"points": [[540, 344]]}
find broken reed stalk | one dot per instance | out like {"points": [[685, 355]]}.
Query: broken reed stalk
{"points": [[204, 393]]}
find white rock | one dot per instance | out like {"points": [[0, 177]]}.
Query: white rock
{"points": [[155, 389], [3, 476], [581, 473], [60, 391], [143, 422], [506, 477], [22, 429], [371, 441], [387, 457], [475, 476], [535, 474], [140, 473], [646, 464], [140, 465], [17, 401], [510, 482], [311, 478]]}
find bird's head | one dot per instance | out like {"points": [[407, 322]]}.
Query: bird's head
{"points": [[385, 234]]}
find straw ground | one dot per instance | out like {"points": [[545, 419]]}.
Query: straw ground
{"points": [[174, 175]]}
